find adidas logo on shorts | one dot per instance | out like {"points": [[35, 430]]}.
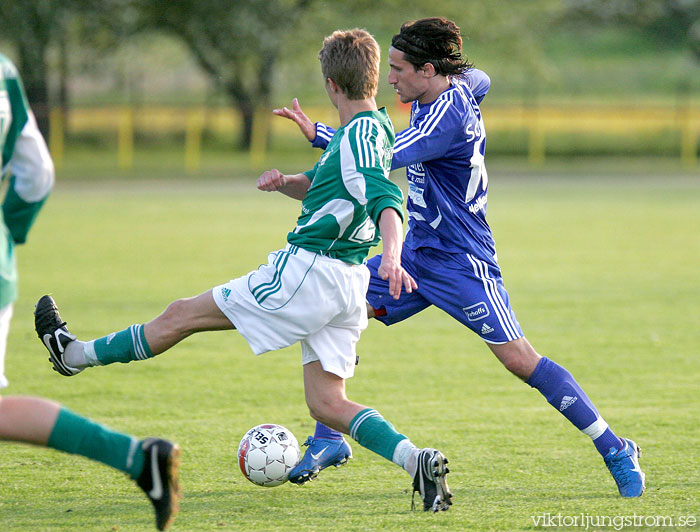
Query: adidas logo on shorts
{"points": [[485, 329]]}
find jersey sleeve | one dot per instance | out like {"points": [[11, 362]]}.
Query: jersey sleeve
{"points": [[12, 124], [372, 154], [324, 134], [430, 138], [26, 161], [310, 174], [478, 82]]}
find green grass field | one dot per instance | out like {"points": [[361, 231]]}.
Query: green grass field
{"points": [[603, 275]]}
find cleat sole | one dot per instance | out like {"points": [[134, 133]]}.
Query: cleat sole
{"points": [[343, 462], [444, 498], [173, 485]]}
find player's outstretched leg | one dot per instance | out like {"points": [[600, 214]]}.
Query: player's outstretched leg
{"points": [[159, 479], [430, 480], [70, 356], [321, 453], [624, 467], [52, 331], [565, 394]]}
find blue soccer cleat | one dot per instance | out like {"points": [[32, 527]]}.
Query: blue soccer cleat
{"points": [[624, 467], [321, 453]]}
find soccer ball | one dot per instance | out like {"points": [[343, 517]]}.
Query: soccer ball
{"points": [[267, 453]]}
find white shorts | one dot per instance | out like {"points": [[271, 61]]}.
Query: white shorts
{"points": [[300, 296], [5, 317]]}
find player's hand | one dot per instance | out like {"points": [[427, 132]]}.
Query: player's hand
{"points": [[397, 276], [271, 180], [307, 127]]}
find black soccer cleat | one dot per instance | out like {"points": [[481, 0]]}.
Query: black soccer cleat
{"points": [[52, 331], [430, 481], [159, 479]]}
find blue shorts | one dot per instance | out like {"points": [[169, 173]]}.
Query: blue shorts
{"points": [[467, 288]]}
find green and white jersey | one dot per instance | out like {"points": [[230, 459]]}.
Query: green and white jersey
{"points": [[27, 165], [350, 187]]}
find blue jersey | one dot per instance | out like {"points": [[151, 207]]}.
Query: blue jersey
{"points": [[443, 152], [449, 249]]}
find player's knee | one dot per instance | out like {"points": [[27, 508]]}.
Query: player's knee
{"points": [[317, 410], [318, 414], [520, 358], [517, 367], [315, 413], [322, 409], [523, 366], [175, 318]]}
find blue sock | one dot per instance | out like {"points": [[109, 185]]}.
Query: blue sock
{"points": [[326, 433], [563, 392]]}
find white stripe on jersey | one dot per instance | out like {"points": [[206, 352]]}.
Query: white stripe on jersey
{"points": [[434, 224], [504, 317], [364, 127], [354, 179], [413, 134], [468, 95], [322, 131], [340, 209], [362, 155]]}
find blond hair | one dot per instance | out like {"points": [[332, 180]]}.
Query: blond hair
{"points": [[351, 59]]}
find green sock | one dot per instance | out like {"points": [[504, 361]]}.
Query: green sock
{"points": [[75, 434], [123, 346], [375, 433]]}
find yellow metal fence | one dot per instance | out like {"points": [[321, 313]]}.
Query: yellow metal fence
{"points": [[539, 124]]}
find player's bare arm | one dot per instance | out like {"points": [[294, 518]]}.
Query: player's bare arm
{"points": [[307, 127], [390, 268], [294, 186]]}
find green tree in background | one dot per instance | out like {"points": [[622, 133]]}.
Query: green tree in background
{"points": [[241, 46], [672, 21], [32, 25], [37, 27], [237, 45]]}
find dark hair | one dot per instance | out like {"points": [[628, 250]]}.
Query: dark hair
{"points": [[432, 40]]}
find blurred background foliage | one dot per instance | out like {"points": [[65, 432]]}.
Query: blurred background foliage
{"points": [[251, 55]]}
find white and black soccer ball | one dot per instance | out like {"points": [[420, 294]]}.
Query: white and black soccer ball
{"points": [[267, 453]]}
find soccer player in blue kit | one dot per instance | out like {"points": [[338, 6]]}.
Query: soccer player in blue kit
{"points": [[449, 248]]}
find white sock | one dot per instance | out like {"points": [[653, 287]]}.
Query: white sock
{"points": [[406, 455], [76, 355], [90, 355]]}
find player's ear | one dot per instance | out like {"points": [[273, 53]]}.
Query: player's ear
{"points": [[428, 70], [333, 85]]}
